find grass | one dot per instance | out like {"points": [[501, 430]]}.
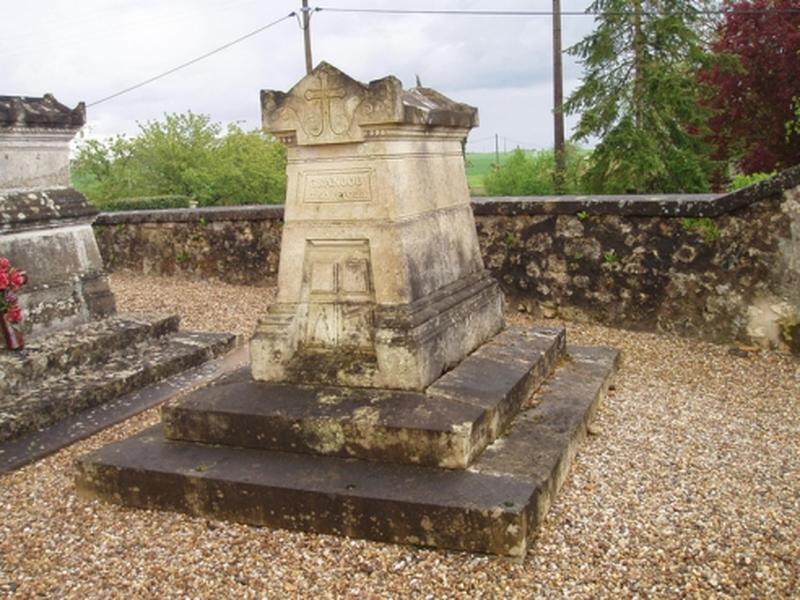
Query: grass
{"points": [[478, 165]]}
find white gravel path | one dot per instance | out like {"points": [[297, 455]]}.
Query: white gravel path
{"points": [[690, 489]]}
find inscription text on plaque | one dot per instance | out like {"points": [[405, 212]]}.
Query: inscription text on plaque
{"points": [[337, 186]]}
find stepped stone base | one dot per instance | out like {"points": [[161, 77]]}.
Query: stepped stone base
{"points": [[494, 505], [38, 444], [447, 426], [62, 374]]}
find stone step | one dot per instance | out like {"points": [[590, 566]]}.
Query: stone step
{"points": [[49, 400], [79, 346], [495, 506], [447, 426], [35, 445]]}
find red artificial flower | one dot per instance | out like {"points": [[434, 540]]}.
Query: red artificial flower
{"points": [[4, 281], [14, 314], [4, 264], [16, 279]]}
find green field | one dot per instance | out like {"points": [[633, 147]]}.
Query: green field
{"points": [[478, 165]]}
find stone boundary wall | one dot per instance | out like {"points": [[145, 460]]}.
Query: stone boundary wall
{"points": [[239, 244], [720, 267]]}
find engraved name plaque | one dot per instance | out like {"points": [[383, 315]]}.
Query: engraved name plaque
{"points": [[337, 186]]}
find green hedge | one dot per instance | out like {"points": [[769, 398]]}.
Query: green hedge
{"points": [[184, 155]]}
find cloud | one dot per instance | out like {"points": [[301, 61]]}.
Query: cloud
{"points": [[88, 49]]}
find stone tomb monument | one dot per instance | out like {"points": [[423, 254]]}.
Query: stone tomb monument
{"points": [[80, 353], [381, 281], [46, 225], [385, 398]]}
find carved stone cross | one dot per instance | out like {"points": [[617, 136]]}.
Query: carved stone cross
{"points": [[324, 95]]}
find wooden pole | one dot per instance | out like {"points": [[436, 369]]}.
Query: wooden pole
{"points": [[497, 149], [558, 101], [307, 36], [638, 67]]}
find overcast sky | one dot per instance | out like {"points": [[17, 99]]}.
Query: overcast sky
{"points": [[88, 49]]}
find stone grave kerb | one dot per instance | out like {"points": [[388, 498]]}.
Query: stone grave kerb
{"points": [[381, 281]]}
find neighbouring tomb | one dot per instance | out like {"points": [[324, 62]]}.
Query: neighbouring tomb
{"points": [[385, 399], [45, 225], [79, 353], [381, 281]]}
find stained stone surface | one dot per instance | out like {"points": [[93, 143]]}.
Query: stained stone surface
{"points": [[45, 224], [34, 141], [382, 372], [48, 234], [39, 443], [381, 281], [78, 355], [495, 506], [725, 268], [448, 426], [82, 345], [85, 366]]}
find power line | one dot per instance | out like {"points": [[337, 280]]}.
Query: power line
{"points": [[307, 13], [521, 144], [548, 13], [194, 60], [491, 138]]}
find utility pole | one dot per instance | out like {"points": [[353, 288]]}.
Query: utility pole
{"points": [[558, 100], [307, 36], [497, 149]]}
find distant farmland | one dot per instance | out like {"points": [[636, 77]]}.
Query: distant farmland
{"points": [[478, 165]]}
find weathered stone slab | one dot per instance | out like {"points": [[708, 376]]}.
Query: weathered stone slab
{"points": [[70, 390], [447, 426], [493, 507], [39, 209], [542, 441], [502, 374], [78, 346], [381, 425], [40, 443], [395, 503], [48, 234]]}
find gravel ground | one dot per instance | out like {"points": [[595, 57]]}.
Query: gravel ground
{"points": [[690, 488]]}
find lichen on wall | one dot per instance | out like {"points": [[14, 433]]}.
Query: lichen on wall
{"points": [[231, 245], [723, 278]]}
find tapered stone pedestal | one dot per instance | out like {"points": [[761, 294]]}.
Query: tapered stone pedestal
{"points": [[381, 281]]}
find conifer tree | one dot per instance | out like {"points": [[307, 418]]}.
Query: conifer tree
{"points": [[640, 97]]}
